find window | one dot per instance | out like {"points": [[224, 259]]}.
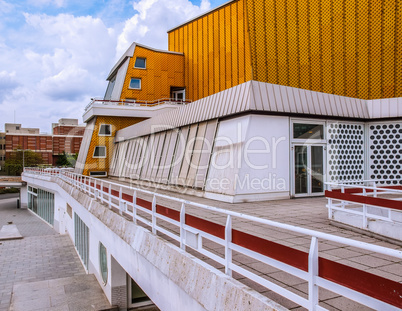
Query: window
{"points": [[99, 174], [103, 262], [99, 152], [105, 130], [308, 131], [135, 83], [140, 63]]}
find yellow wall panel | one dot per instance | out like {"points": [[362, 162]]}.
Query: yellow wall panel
{"points": [[159, 66], [345, 47], [103, 164], [216, 50]]}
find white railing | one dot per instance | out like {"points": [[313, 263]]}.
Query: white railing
{"points": [[347, 197], [126, 201], [137, 103]]}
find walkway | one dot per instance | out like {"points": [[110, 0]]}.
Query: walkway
{"points": [[309, 213], [41, 255]]}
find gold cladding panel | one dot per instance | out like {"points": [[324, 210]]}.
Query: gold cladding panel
{"points": [[163, 70], [118, 123], [345, 47], [216, 49]]}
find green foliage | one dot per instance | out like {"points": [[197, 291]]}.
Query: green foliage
{"points": [[16, 159], [9, 190], [66, 159]]}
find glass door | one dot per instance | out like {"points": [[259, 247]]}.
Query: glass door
{"points": [[179, 95], [308, 169]]}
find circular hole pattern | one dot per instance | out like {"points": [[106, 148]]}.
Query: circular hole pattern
{"points": [[345, 151], [385, 153]]}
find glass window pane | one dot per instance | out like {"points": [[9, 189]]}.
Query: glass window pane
{"points": [[137, 294], [105, 129], [308, 131], [140, 62], [103, 262], [300, 169], [100, 151], [135, 83], [317, 168]]}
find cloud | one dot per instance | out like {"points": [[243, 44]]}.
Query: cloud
{"points": [[42, 3], [152, 20], [52, 64]]}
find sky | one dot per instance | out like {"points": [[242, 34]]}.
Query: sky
{"points": [[55, 54]]}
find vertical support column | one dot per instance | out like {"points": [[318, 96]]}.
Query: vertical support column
{"points": [[228, 250], [182, 223], [313, 273], [118, 285]]}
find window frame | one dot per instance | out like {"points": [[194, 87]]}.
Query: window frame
{"points": [[133, 88], [98, 175], [145, 63], [103, 264], [110, 130], [99, 157]]}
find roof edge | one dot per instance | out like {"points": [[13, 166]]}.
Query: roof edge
{"points": [[201, 15]]}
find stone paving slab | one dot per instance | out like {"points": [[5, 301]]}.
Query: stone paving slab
{"points": [[80, 292], [42, 255], [9, 232]]}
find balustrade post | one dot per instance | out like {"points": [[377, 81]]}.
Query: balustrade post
{"points": [[312, 274], [101, 193], [228, 250], [110, 196], [364, 211], [135, 207], [120, 201], [154, 215], [329, 188], [182, 223], [343, 191]]}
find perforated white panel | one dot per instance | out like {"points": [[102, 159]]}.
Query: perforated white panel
{"points": [[345, 152], [385, 152]]}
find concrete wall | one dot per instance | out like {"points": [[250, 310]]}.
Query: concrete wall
{"points": [[250, 160]]}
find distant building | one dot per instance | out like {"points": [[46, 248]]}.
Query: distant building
{"points": [[66, 136], [2, 150]]}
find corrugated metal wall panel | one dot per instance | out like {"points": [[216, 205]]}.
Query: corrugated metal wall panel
{"points": [[179, 154], [196, 155]]}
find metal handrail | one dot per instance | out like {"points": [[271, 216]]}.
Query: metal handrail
{"points": [[91, 186], [127, 102]]}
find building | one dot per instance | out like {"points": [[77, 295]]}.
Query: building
{"points": [[263, 123], [66, 137], [254, 100], [2, 150]]}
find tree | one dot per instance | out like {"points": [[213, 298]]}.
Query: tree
{"points": [[66, 159], [16, 159]]}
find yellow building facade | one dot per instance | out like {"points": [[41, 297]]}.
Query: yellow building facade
{"points": [[101, 163], [163, 71], [349, 48]]}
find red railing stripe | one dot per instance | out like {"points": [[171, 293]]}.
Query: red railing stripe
{"points": [[394, 204], [285, 254], [366, 283], [206, 226]]}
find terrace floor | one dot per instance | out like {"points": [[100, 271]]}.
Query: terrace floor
{"points": [[310, 213]]}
